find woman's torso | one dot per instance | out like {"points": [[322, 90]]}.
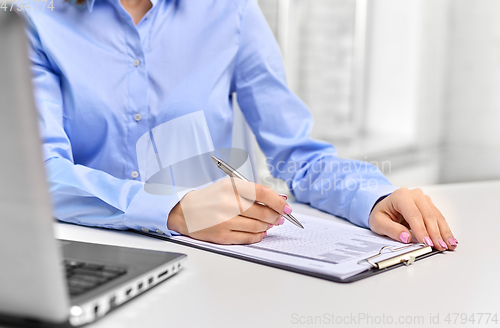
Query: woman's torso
{"points": [[119, 81]]}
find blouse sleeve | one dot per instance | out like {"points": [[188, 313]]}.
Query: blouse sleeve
{"points": [[282, 124]]}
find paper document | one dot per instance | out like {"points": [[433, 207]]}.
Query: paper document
{"points": [[324, 246]]}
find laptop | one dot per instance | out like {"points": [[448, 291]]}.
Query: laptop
{"points": [[44, 281]]}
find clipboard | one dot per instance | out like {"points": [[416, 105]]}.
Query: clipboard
{"points": [[376, 267]]}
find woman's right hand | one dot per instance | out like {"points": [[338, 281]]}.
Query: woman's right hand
{"points": [[226, 212]]}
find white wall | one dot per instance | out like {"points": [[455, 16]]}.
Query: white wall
{"points": [[407, 66], [406, 87], [394, 36], [435, 79], [472, 125], [433, 91]]}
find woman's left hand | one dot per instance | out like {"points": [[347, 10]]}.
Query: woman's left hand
{"points": [[406, 210]]}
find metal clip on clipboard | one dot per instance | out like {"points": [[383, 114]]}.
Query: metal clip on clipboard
{"points": [[406, 258]]}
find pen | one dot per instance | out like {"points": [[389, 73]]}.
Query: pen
{"points": [[235, 174]]}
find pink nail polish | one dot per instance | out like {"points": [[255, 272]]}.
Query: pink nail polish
{"points": [[281, 221], [404, 236], [428, 241], [284, 196], [452, 242], [287, 209], [443, 244], [456, 241], [265, 233], [270, 226]]}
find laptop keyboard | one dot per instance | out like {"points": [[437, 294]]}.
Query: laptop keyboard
{"points": [[83, 277]]}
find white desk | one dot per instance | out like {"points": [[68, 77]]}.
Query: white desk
{"points": [[219, 291]]}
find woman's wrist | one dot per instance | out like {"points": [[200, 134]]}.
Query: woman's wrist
{"points": [[175, 221]]}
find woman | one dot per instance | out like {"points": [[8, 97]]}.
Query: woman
{"points": [[107, 72]]}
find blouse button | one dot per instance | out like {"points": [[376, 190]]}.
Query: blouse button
{"points": [[135, 174], [137, 117]]}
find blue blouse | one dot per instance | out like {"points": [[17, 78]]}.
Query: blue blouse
{"points": [[101, 83]]}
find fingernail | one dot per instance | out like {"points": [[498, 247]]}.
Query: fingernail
{"points": [[287, 209], [428, 241], [452, 242], [456, 241], [404, 236], [265, 233], [270, 226], [443, 244], [281, 221], [284, 196]]}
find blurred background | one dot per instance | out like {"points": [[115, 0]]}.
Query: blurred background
{"points": [[412, 84]]}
